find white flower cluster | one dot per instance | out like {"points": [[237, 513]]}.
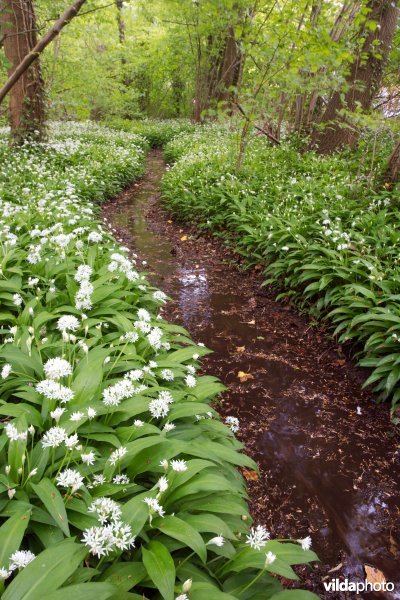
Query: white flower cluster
{"points": [[113, 535], [83, 299]]}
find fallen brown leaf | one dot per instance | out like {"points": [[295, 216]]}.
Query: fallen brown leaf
{"points": [[184, 238], [250, 475], [374, 575], [244, 376], [240, 348]]}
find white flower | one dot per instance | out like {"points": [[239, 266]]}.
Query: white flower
{"points": [[190, 381], [11, 493], [217, 541], [88, 458], [257, 537], [54, 390], [17, 299], [138, 423], [159, 407], [121, 479], [21, 559], [54, 437], [70, 479], [4, 574], [98, 480], [131, 336], [269, 558], [178, 465], [167, 374], [103, 540], [106, 509], [162, 484], [187, 585], [114, 394], [6, 370], [83, 273], [55, 368], [182, 597], [91, 413], [68, 323], [57, 413], [154, 507], [305, 543], [159, 295], [143, 314], [77, 416], [13, 434], [168, 427], [71, 441], [233, 423], [117, 455], [164, 464]]}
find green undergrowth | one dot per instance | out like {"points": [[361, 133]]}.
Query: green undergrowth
{"points": [[156, 132], [117, 477], [327, 241]]}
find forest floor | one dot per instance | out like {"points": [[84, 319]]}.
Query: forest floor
{"points": [[328, 456]]}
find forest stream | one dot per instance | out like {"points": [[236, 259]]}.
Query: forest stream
{"points": [[328, 455]]}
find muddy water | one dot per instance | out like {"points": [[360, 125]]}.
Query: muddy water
{"points": [[328, 457]]}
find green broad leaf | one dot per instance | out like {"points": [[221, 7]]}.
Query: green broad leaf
{"points": [[293, 554], [135, 513], [32, 416], [219, 503], [11, 535], [83, 591], [53, 501], [182, 531], [205, 591], [209, 523], [47, 571], [160, 567], [89, 375], [125, 575]]}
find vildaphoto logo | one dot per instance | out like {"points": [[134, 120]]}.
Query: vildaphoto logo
{"points": [[336, 585]]}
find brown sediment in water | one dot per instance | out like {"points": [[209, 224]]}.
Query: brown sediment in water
{"points": [[325, 470]]}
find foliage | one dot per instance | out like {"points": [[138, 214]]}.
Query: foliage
{"points": [[325, 237], [117, 478], [157, 132]]}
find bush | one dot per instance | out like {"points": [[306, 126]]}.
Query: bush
{"points": [[117, 478], [327, 240], [157, 132]]}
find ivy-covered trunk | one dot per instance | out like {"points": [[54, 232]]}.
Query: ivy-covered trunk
{"points": [[363, 81], [27, 105]]}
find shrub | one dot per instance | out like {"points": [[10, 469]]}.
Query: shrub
{"points": [[117, 478], [328, 241], [157, 132]]}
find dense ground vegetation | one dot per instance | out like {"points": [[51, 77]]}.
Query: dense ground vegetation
{"points": [[325, 237], [117, 478]]}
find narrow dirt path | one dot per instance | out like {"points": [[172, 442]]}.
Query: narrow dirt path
{"points": [[328, 456]]}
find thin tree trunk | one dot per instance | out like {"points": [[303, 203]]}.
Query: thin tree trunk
{"points": [[363, 81], [34, 53], [27, 105], [391, 174]]}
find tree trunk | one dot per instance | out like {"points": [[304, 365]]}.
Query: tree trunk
{"points": [[391, 174], [27, 105], [32, 56], [230, 72], [363, 81]]}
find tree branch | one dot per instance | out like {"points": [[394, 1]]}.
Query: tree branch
{"points": [[65, 18]]}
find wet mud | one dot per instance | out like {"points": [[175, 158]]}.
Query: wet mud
{"points": [[328, 455]]}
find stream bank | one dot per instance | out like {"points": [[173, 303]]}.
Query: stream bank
{"points": [[328, 456]]}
